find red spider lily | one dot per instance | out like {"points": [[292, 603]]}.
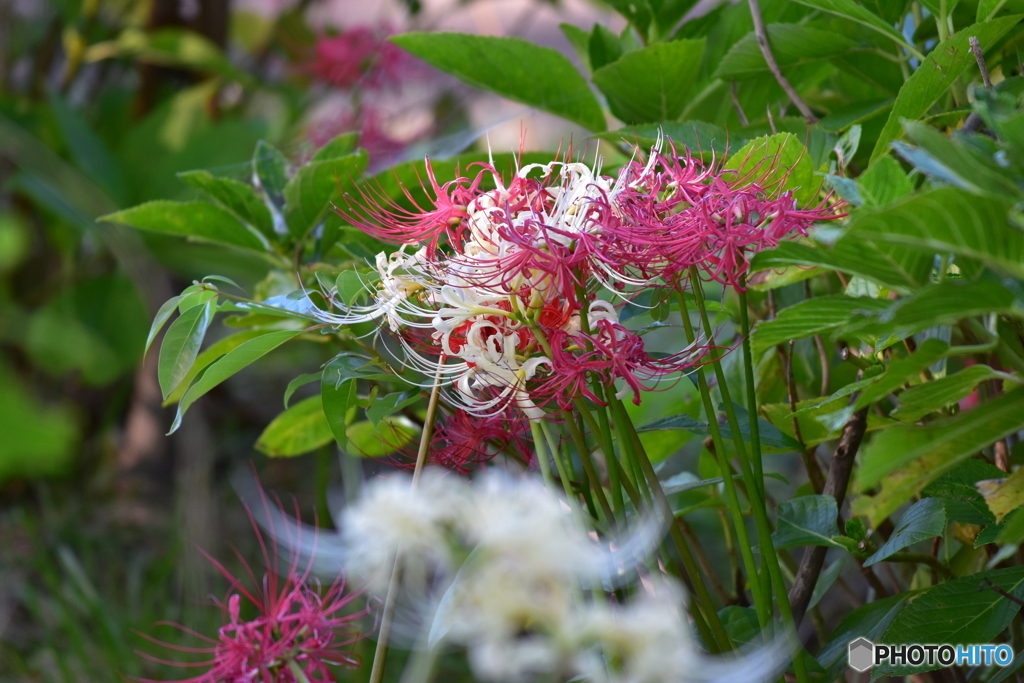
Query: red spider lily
{"points": [[298, 632]]}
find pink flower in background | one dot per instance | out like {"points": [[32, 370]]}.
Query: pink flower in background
{"points": [[284, 628], [361, 57]]}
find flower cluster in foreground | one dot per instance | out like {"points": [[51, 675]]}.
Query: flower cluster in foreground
{"points": [[499, 566], [510, 295], [298, 629]]}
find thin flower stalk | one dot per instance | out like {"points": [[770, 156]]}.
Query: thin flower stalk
{"points": [[757, 503]]}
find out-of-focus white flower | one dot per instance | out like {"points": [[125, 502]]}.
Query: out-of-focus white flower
{"points": [[393, 517]]}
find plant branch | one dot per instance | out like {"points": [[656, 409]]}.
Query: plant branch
{"points": [[762, 39], [973, 122], [835, 485], [922, 558]]}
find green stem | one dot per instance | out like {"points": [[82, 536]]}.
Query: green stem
{"points": [[757, 504], [591, 471], [297, 672], [542, 455], [762, 604], [714, 635], [748, 368]]}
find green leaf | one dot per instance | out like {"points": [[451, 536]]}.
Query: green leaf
{"points": [[388, 405], [229, 364], [770, 434], [272, 171], [372, 441], [87, 149], [925, 519], [961, 163], [1003, 495], [341, 146], [807, 520], [162, 316], [900, 371], [777, 160], [792, 45], [894, 267], [181, 345], [170, 47], [927, 397], [208, 356], [825, 581], [654, 83], [851, 10], [338, 390], [511, 67], [885, 181], [603, 47], [637, 12], [195, 220], [955, 612], [940, 304], [309, 194], [300, 429], [961, 499], [819, 422], [696, 136], [943, 65], [300, 381], [987, 9], [350, 285], [580, 41], [905, 459], [237, 197], [819, 315], [39, 439], [868, 621], [946, 220]]}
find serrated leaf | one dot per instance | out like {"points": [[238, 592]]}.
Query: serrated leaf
{"points": [[300, 429], [698, 137], [340, 146], [925, 519], [194, 220], [961, 499], [886, 265], [807, 520], [946, 220], [885, 181], [928, 397], [779, 161], [181, 345], [237, 197], [819, 315], [792, 45], [652, 84], [769, 433], [1003, 495], [905, 459], [271, 171], [940, 304], [511, 67], [229, 364], [315, 186], [861, 15], [942, 66], [868, 621], [955, 612]]}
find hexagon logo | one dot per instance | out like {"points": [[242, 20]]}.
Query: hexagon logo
{"points": [[861, 654]]}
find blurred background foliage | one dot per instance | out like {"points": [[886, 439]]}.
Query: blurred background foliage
{"points": [[104, 102]]}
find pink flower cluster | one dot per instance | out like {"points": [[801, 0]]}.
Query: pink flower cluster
{"points": [[298, 631], [358, 56], [510, 296]]}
